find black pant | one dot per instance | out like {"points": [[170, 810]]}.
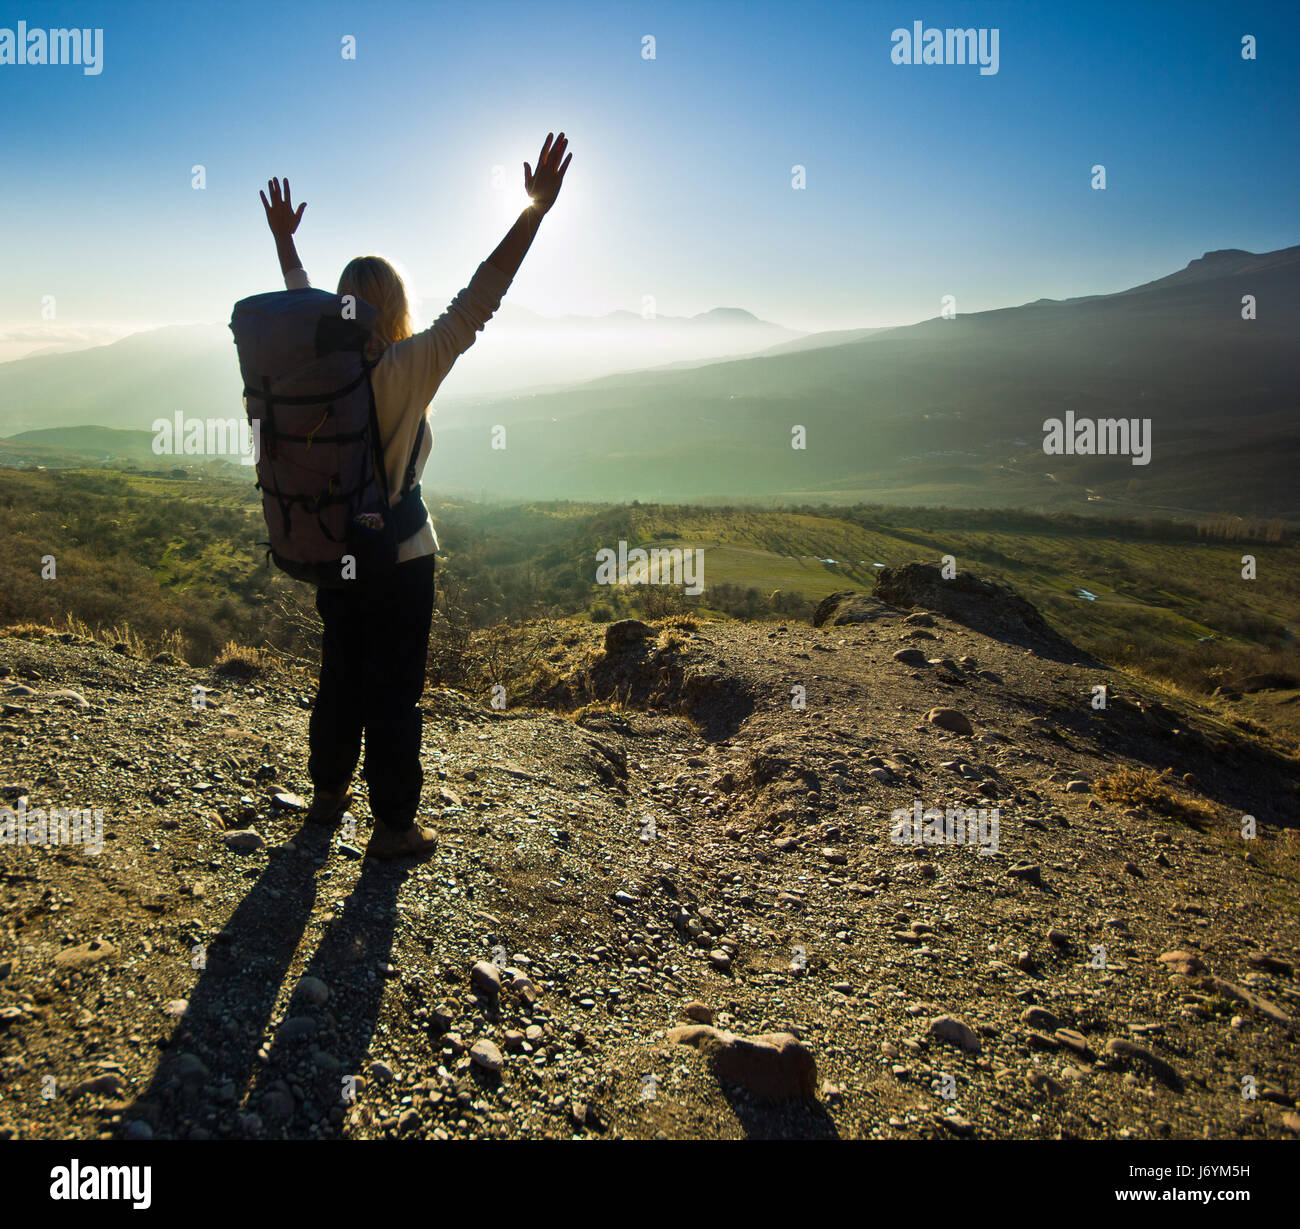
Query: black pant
{"points": [[373, 659]]}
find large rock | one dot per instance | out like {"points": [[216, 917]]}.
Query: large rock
{"points": [[849, 606], [982, 605], [774, 1067]]}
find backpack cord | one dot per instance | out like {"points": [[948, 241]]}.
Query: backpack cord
{"points": [[311, 435]]}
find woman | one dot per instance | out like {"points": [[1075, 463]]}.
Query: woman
{"points": [[376, 638]]}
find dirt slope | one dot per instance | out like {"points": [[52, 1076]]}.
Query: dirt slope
{"points": [[701, 839]]}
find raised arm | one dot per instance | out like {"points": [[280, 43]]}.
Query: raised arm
{"points": [[283, 221], [425, 359], [543, 186]]}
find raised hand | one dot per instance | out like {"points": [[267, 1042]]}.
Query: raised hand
{"points": [[544, 185], [280, 215]]}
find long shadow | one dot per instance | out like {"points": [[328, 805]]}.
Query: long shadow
{"points": [[1244, 776], [207, 1063], [306, 1088], [779, 1119]]}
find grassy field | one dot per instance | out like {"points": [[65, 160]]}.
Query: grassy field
{"points": [[160, 558]]}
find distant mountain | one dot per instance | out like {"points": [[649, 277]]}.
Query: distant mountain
{"points": [[819, 341], [949, 411], [192, 368], [28, 341], [944, 411], [126, 385]]}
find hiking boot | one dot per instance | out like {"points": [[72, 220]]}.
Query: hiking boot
{"points": [[327, 809], [412, 842]]}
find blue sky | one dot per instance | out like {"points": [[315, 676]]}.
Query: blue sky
{"points": [[921, 180]]}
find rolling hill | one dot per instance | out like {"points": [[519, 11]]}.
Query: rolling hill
{"points": [[945, 411], [940, 412]]}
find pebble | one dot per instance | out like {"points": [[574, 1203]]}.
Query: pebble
{"points": [[1040, 1017], [1030, 873], [191, 1069], [313, 991], [298, 1027], [1075, 1041], [1125, 1050], [84, 954], [950, 719], [698, 1012], [486, 978], [484, 1054], [1182, 962], [243, 840], [955, 1032], [409, 1120], [106, 1085]]}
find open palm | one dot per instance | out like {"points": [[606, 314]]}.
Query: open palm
{"points": [[544, 184], [280, 214]]}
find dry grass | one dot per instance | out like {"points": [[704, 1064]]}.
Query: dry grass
{"points": [[1143, 787], [119, 637], [614, 708], [240, 661], [28, 631]]}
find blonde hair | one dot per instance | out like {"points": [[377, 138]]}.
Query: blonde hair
{"points": [[373, 280]]}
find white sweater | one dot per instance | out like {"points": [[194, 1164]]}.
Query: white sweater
{"points": [[409, 373]]}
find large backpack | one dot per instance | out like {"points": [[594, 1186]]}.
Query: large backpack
{"points": [[309, 401]]}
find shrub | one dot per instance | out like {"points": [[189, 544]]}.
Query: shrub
{"points": [[1143, 787], [239, 661]]}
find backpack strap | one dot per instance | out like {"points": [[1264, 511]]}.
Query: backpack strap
{"points": [[376, 443], [408, 514], [409, 482]]}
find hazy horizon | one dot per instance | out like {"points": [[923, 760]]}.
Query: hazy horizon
{"points": [[921, 180]]}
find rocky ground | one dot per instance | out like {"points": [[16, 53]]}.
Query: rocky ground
{"points": [[666, 903]]}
